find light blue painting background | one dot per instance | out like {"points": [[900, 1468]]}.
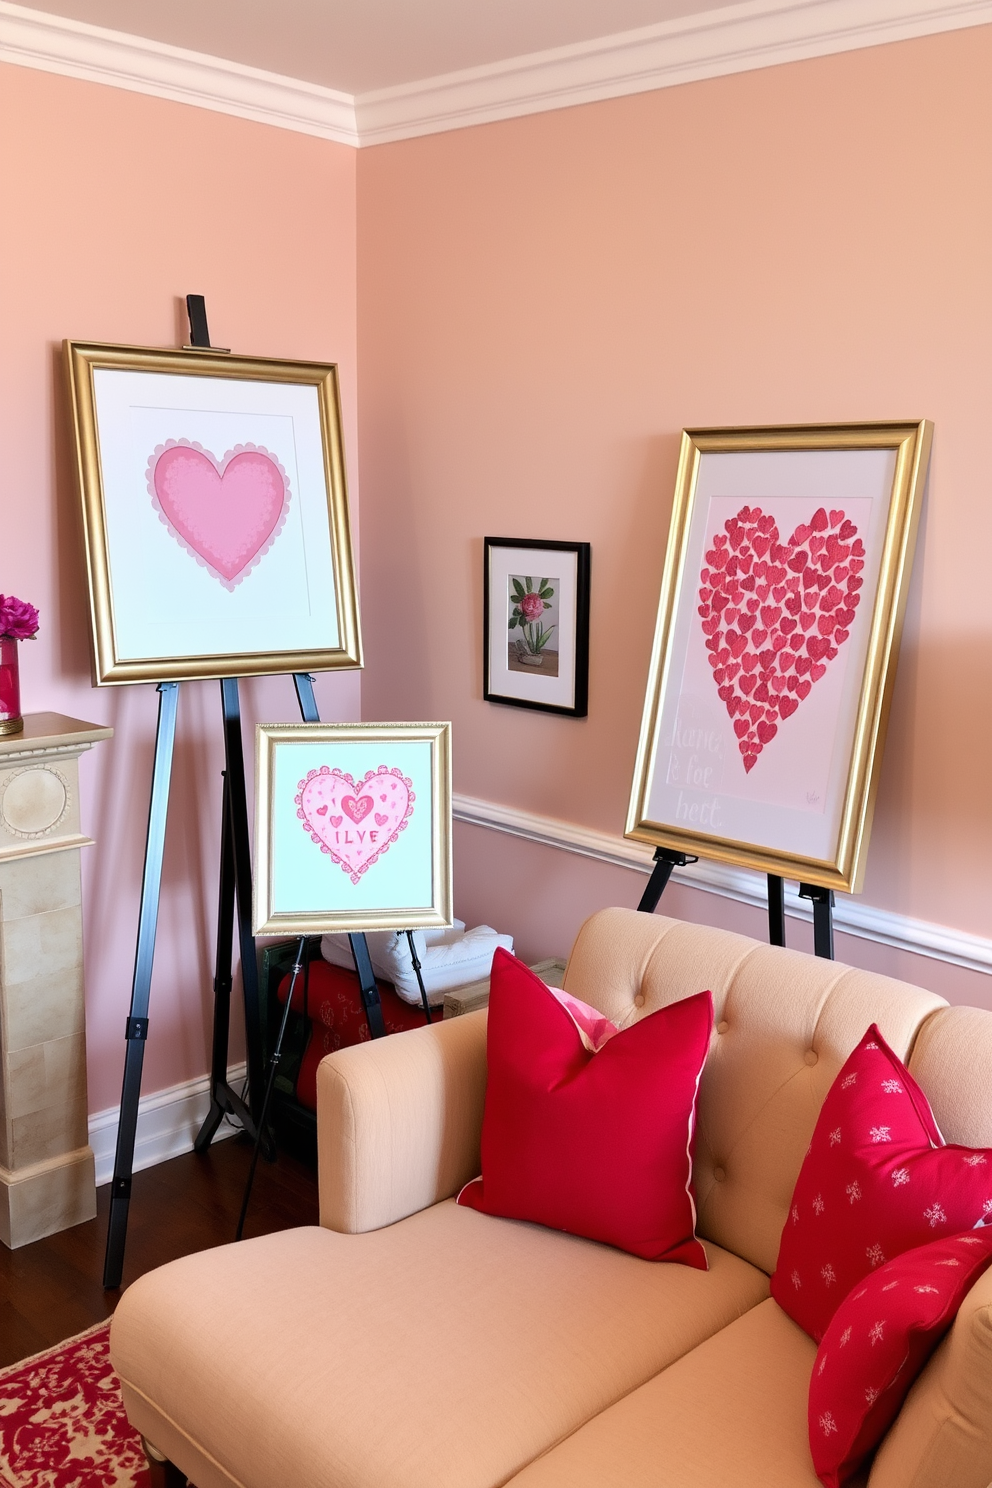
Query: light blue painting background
{"points": [[307, 880]]}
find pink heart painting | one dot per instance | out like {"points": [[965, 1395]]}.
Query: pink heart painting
{"points": [[227, 513], [775, 614], [341, 831]]}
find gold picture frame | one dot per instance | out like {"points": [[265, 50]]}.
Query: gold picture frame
{"points": [[782, 601], [352, 827], [214, 514]]}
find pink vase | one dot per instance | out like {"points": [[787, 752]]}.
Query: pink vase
{"points": [[11, 721]]}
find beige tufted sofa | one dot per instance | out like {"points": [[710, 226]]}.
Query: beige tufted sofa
{"points": [[408, 1343]]}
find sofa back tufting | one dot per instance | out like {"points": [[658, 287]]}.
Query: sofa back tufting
{"points": [[784, 1024]]}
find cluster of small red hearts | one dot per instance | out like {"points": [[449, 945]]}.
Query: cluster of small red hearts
{"points": [[774, 614]]}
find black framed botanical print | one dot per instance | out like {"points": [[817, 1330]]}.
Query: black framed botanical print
{"points": [[536, 624]]}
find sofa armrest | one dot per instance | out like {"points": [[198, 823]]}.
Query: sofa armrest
{"points": [[942, 1437], [398, 1123]]}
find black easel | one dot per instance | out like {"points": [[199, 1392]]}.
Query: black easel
{"points": [[823, 901], [234, 892], [664, 861]]}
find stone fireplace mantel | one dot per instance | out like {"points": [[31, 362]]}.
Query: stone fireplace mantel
{"points": [[46, 1165]]}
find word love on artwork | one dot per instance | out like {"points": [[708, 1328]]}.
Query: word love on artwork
{"points": [[775, 614], [355, 822], [226, 513]]}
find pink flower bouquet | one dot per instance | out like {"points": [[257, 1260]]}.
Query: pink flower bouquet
{"points": [[18, 619]]}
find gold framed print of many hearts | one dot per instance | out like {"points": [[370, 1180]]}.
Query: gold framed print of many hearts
{"points": [[782, 600], [215, 514], [352, 827]]}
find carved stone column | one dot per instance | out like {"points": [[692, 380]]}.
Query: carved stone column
{"points": [[46, 1165]]}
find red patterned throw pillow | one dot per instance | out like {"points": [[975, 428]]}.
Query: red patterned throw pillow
{"points": [[880, 1338], [877, 1180], [587, 1129]]}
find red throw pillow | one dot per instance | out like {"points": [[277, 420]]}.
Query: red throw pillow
{"points": [[877, 1180], [595, 1142], [880, 1338]]}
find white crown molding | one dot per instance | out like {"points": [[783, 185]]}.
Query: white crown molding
{"points": [[727, 39], [33, 38], [851, 916], [168, 1121]]}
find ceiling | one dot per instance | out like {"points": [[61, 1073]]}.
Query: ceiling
{"points": [[357, 46]]}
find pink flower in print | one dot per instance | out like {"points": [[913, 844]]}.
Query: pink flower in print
{"points": [[872, 1045], [892, 1087], [848, 1081], [890, 1286], [876, 1255], [881, 1134], [835, 1136], [845, 1337], [532, 606], [818, 1204], [976, 1160], [871, 1395], [876, 1333], [795, 1214], [829, 1274], [927, 1288], [853, 1191], [899, 1177], [949, 1262], [797, 1280], [827, 1423], [935, 1215], [823, 1365]]}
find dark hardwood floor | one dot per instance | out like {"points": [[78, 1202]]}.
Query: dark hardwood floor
{"points": [[54, 1288]]}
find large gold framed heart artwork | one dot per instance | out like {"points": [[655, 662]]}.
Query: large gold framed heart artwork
{"points": [[214, 513], [782, 600]]}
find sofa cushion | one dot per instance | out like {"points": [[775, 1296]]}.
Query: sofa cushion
{"points": [[452, 1348], [594, 1143], [731, 1413], [785, 1023]]}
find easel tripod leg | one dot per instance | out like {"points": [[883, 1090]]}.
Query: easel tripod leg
{"points": [[137, 1023], [367, 986], [234, 749], [776, 910], [418, 970], [301, 957], [222, 1098], [665, 859], [823, 918]]}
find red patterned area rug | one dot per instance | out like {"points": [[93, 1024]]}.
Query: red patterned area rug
{"points": [[62, 1421]]}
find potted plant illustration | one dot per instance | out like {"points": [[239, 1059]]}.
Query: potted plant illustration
{"points": [[529, 605]]}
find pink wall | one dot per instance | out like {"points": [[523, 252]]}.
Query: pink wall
{"points": [[543, 304], [546, 302], [114, 205]]}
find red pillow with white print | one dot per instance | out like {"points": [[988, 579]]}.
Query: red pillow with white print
{"points": [[878, 1342], [877, 1180], [587, 1128]]}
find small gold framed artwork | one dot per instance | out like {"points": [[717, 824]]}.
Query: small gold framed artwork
{"points": [[215, 514], [352, 827], [782, 600]]}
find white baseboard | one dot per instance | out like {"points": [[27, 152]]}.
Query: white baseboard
{"points": [[851, 915], [168, 1121]]}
